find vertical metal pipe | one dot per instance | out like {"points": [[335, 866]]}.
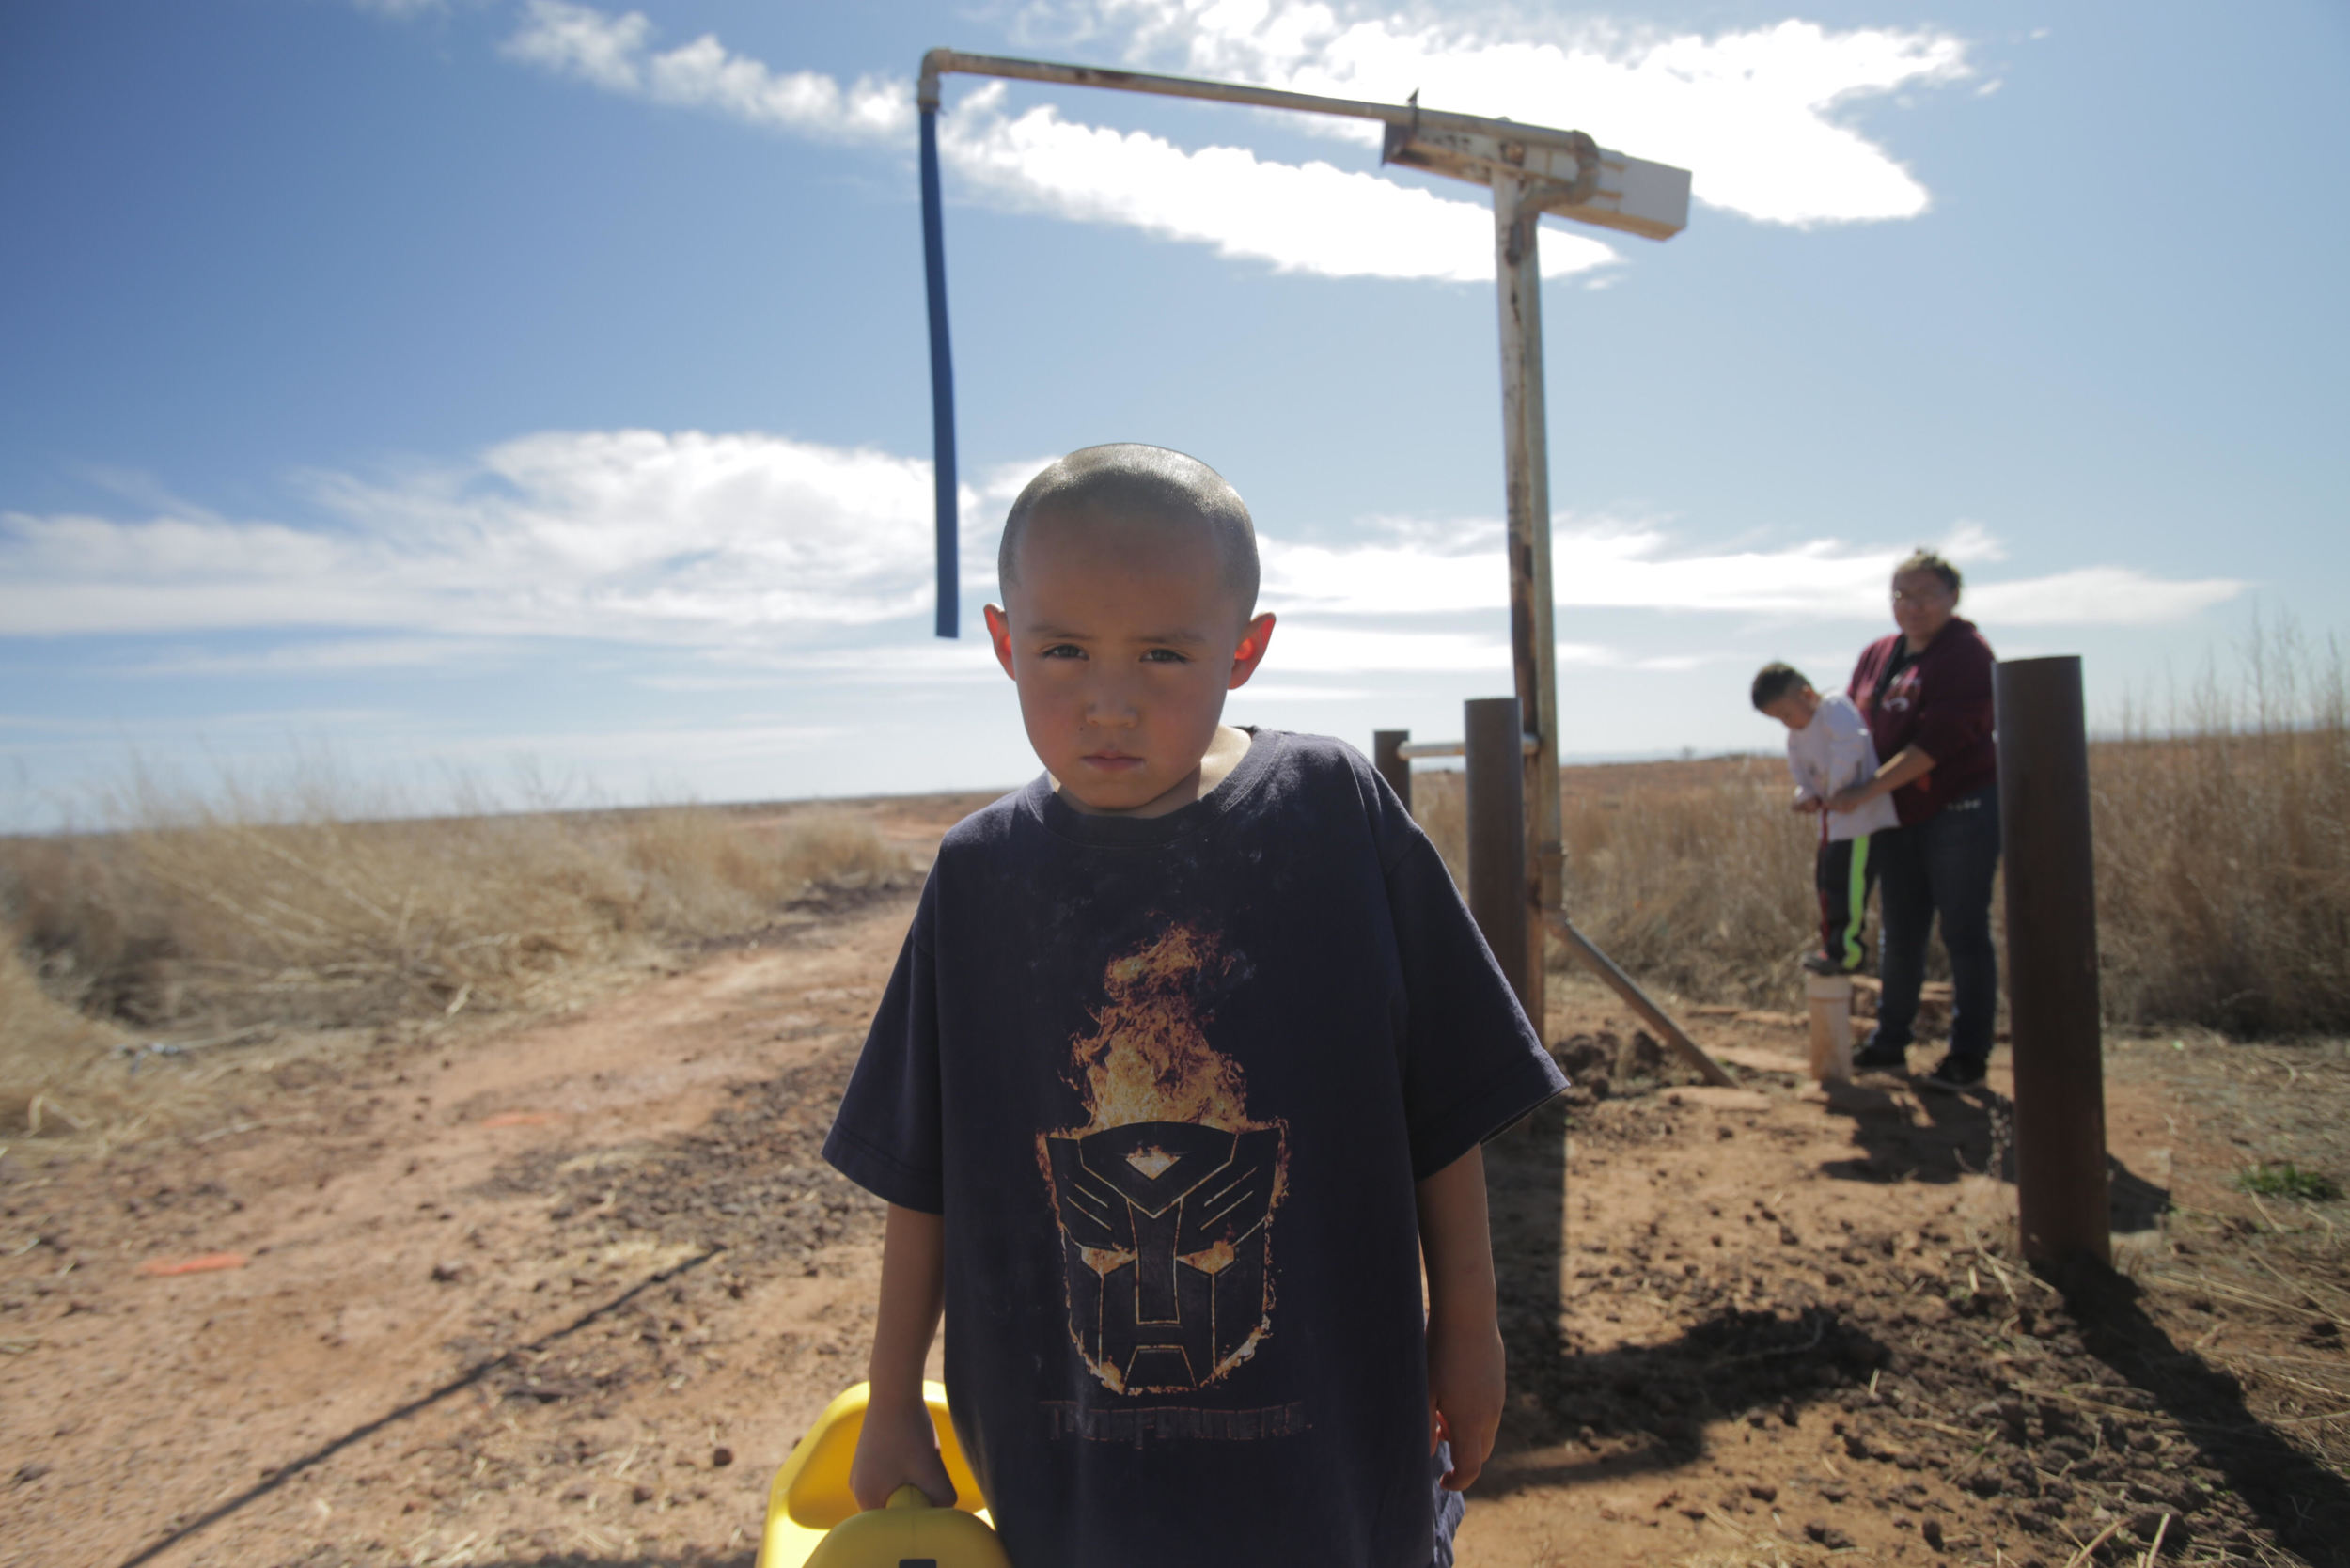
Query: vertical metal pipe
{"points": [[1533, 646], [2052, 961], [942, 382], [1496, 839], [1388, 756]]}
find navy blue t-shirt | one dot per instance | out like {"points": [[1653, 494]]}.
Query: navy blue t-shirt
{"points": [[1172, 1081]]}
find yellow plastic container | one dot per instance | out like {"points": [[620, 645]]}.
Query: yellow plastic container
{"points": [[812, 1517], [909, 1532]]}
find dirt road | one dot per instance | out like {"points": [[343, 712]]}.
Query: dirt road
{"points": [[1761, 1325], [567, 1293], [626, 1207]]}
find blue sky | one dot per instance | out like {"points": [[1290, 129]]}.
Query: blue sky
{"points": [[487, 389]]}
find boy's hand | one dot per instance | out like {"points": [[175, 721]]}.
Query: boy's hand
{"points": [[1466, 1369], [1808, 804], [896, 1444], [895, 1447], [1466, 1361]]}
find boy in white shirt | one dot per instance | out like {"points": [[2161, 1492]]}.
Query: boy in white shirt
{"points": [[1829, 749]]}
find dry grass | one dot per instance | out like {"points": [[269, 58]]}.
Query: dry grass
{"points": [[2223, 850], [1694, 877], [2223, 859], [2253, 1267], [197, 919], [49, 1055]]}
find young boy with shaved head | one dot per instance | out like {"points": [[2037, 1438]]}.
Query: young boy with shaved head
{"points": [[1179, 1080]]}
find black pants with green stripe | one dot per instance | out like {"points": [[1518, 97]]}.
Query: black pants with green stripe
{"points": [[1844, 871]]}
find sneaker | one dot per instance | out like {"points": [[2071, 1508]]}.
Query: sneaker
{"points": [[1821, 963], [1956, 1073], [1881, 1058]]}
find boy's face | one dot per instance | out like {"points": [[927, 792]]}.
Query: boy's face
{"points": [[1122, 641], [1795, 709]]}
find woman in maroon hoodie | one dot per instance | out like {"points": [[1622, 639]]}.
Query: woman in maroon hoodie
{"points": [[1926, 693]]}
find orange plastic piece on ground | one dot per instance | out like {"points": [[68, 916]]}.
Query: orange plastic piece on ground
{"points": [[205, 1265]]}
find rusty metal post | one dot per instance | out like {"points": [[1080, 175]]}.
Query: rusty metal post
{"points": [[1676, 1038], [1396, 768], [1533, 646], [2052, 961], [1496, 839]]}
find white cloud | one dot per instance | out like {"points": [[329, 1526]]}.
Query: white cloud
{"points": [[1459, 566], [274, 726], [984, 506], [1303, 646], [1312, 217], [761, 557], [339, 655], [614, 53], [1973, 544], [929, 661], [1752, 113], [2098, 596], [667, 747], [683, 538], [1271, 691]]}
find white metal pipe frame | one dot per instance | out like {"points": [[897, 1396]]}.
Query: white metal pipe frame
{"points": [[1533, 169]]}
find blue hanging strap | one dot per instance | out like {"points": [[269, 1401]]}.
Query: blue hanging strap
{"points": [[942, 383]]}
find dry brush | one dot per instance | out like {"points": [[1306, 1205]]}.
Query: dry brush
{"points": [[194, 919], [2222, 846]]}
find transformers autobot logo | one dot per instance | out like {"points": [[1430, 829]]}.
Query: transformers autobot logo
{"points": [[1165, 1196], [1162, 1232]]}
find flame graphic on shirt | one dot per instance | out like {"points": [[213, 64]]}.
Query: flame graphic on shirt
{"points": [[1165, 1194], [1147, 1058]]}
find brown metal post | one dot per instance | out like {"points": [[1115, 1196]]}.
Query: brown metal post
{"points": [[1533, 645], [1396, 768], [1496, 836], [2052, 961], [1676, 1038]]}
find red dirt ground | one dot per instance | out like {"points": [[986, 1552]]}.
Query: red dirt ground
{"points": [[567, 1293]]}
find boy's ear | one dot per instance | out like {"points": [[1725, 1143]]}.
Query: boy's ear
{"points": [[1254, 640], [999, 632]]}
